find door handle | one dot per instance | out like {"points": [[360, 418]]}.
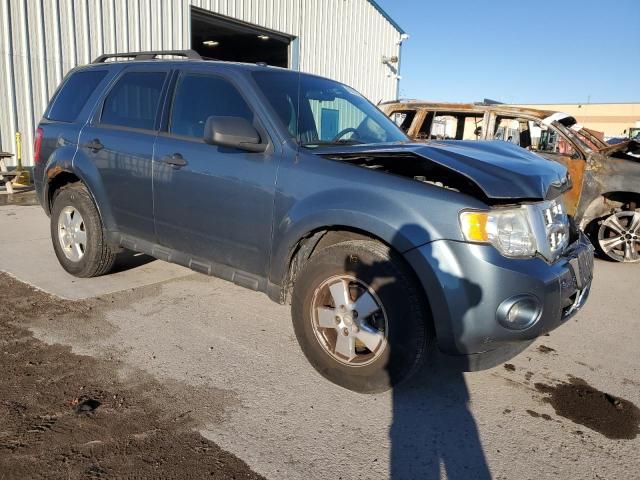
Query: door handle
{"points": [[95, 145], [176, 160]]}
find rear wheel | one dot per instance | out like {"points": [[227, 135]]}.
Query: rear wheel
{"points": [[78, 235], [359, 317], [618, 236]]}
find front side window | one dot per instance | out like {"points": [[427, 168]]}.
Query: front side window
{"points": [[134, 100], [316, 111], [552, 141], [199, 97]]}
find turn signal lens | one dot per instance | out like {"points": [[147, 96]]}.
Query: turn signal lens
{"points": [[474, 226]]}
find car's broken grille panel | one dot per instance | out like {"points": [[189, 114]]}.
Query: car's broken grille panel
{"points": [[557, 227], [551, 224]]}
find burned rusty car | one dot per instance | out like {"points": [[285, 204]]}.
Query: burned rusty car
{"points": [[605, 194]]}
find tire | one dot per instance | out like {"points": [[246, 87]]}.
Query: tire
{"points": [[94, 257], [365, 268]]}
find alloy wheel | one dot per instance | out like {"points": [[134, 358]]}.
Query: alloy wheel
{"points": [[349, 320], [619, 236], [72, 234]]}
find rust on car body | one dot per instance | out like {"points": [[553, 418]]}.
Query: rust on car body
{"points": [[605, 178]]}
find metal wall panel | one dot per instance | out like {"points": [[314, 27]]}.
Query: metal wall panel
{"points": [[41, 40]]}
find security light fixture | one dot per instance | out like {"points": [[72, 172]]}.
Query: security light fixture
{"points": [[210, 43], [402, 38], [263, 37]]}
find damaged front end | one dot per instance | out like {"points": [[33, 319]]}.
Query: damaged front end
{"points": [[496, 173], [525, 216]]}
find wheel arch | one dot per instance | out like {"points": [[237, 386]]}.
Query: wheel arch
{"points": [[322, 237], [606, 202], [61, 175]]}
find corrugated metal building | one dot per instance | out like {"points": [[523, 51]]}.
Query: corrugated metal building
{"points": [[352, 41]]}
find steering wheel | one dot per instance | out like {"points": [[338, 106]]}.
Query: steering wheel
{"points": [[342, 133]]}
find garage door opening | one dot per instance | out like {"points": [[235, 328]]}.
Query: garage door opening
{"points": [[223, 38]]}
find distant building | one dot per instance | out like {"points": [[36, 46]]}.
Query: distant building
{"points": [[612, 119]]}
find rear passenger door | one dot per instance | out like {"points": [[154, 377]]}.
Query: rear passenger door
{"points": [[119, 141], [217, 207]]}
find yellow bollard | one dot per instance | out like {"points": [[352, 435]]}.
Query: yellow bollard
{"points": [[23, 179]]}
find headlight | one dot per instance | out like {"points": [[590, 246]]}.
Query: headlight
{"points": [[507, 229]]}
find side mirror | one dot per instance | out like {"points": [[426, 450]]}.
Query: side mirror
{"points": [[236, 132]]}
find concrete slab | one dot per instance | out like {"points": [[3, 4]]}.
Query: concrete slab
{"points": [[219, 342], [27, 254]]}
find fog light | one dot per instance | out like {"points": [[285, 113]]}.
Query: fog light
{"points": [[519, 312]]}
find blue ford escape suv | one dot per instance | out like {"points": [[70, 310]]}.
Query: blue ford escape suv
{"points": [[297, 186]]}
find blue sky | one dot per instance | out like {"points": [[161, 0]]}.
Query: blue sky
{"points": [[561, 51]]}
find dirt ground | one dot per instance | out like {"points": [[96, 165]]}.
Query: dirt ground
{"points": [[71, 416]]}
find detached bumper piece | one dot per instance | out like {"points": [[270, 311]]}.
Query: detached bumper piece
{"points": [[575, 284]]}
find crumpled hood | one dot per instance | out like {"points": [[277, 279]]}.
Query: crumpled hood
{"points": [[631, 147], [500, 169]]}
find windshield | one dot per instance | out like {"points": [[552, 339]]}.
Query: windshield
{"points": [[317, 111]]}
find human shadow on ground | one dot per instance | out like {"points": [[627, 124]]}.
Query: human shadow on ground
{"points": [[433, 429]]}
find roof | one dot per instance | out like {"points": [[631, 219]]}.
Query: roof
{"points": [[472, 107], [386, 16]]}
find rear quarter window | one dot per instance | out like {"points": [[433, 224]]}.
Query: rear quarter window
{"points": [[72, 97]]}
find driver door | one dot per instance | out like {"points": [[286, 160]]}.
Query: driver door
{"points": [[213, 203]]}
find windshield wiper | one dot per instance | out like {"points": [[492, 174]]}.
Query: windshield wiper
{"points": [[320, 143]]}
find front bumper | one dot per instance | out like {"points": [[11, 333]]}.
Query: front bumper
{"points": [[466, 283]]}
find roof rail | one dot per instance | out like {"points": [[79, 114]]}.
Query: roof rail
{"points": [[149, 55]]}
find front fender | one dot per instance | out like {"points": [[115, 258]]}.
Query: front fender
{"points": [[395, 223], [606, 176]]}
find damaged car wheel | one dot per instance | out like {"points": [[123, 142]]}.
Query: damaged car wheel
{"points": [[359, 317], [618, 236]]}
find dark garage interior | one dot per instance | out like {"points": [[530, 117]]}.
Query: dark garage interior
{"points": [[222, 38]]}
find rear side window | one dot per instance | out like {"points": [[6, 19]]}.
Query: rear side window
{"points": [[133, 102], [452, 126], [73, 95], [403, 119], [199, 97]]}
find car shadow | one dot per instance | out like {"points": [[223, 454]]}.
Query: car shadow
{"points": [[128, 260], [433, 431]]}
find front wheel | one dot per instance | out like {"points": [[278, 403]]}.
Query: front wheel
{"points": [[359, 316]]}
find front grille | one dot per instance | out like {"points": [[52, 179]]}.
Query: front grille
{"points": [[556, 225], [551, 227]]}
